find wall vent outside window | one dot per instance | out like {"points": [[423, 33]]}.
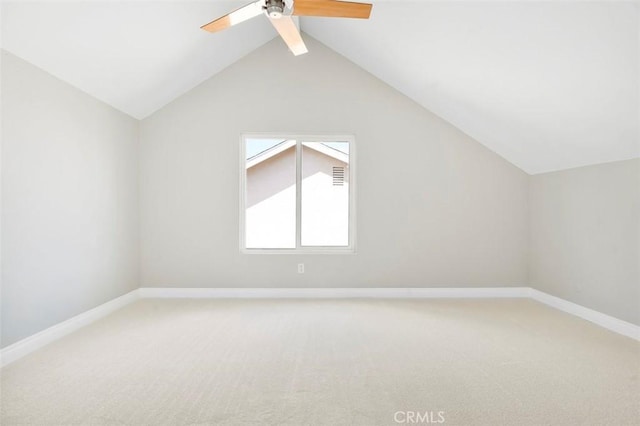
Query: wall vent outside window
{"points": [[338, 176]]}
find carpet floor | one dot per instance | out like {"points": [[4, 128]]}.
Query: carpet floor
{"points": [[329, 362]]}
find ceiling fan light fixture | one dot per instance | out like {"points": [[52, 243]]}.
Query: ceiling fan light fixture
{"points": [[274, 8]]}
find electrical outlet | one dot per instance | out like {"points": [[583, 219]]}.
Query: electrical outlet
{"points": [[301, 268]]}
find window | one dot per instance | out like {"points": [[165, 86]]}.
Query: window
{"points": [[297, 194]]}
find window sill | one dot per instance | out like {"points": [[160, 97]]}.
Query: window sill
{"points": [[306, 251]]}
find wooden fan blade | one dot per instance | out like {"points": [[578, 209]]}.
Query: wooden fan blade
{"points": [[239, 15], [331, 8], [290, 34]]}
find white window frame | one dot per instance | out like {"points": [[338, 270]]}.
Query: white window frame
{"points": [[351, 248]]}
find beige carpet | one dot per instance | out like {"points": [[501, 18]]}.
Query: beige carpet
{"points": [[329, 362]]}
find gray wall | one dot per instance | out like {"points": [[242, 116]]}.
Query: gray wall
{"points": [[585, 237], [69, 201], [435, 208]]}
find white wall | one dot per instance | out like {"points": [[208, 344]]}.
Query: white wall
{"points": [[435, 208], [69, 201], [585, 237], [324, 208], [270, 218]]}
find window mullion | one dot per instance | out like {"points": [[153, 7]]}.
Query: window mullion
{"points": [[298, 194]]}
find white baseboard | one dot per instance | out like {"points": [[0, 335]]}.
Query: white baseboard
{"points": [[23, 347], [603, 320], [338, 293]]}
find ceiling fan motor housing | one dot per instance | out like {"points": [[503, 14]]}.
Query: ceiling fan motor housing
{"points": [[274, 8]]}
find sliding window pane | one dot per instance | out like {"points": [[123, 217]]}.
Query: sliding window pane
{"points": [[325, 194], [270, 216]]}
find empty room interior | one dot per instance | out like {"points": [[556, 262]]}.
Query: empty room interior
{"points": [[319, 212]]}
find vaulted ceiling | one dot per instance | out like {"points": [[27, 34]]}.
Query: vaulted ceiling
{"points": [[546, 85]]}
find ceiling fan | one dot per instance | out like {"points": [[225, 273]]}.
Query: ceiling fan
{"points": [[280, 13]]}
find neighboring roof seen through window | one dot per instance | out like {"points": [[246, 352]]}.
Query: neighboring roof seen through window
{"points": [[255, 147]]}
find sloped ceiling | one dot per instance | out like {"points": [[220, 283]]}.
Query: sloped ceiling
{"points": [[547, 85], [134, 55]]}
